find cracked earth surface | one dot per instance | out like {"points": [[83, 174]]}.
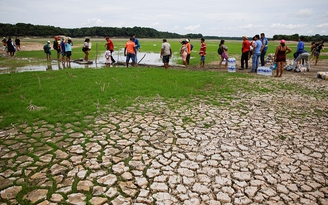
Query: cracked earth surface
{"points": [[251, 149]]}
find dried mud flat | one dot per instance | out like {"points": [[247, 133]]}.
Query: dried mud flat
{"points": [[251, 149]]}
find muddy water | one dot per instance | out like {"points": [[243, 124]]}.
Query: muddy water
{"points": [[142, 58]]}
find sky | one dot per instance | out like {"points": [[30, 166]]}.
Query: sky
{"points": [[233, 18]]}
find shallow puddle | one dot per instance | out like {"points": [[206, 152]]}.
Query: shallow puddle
{"points": [[142, 58]]}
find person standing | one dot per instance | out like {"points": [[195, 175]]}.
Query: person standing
{"points": [[110, 46], [86, 48], [130, 52], [184, 52], [280, 57], [17, 43], [56, 46], [62, 50], [68, 51], [137, 44], [224, 54], [264, 48], [245, 49], [108, 55], [11, 47], [4, 45], [312, 51], [47, 50], [257, 45], [166, 53], [188, 51], [202, 52], [300, 48], [318, 47]]}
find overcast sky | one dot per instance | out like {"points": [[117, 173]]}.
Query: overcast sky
{"points": [[208, 17]]}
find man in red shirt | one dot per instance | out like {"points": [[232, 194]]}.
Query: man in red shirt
{"points": [[245, 52], [110, 46], [130, 52], [202, 52]]}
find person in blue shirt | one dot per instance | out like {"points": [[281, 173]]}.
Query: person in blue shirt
{"points": [[62, 50], [257, 45], [137, 48], [264, 48], [68, 51], [300, 48]]}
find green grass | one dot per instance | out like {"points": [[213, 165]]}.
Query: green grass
{"points": [[67, 96]]}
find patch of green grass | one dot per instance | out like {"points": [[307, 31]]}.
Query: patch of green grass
{"points": [[282, 137], [67, 98]]}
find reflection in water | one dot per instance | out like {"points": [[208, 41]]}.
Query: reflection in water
{"points": [[144, 58]]}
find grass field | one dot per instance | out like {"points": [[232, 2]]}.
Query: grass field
{"points": [[69, 95]]}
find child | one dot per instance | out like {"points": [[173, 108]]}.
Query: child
{"points": [[108, 55], [47, 50]]}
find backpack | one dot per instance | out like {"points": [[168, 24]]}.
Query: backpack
{"points": [[220, 50], [46, 48], [55, 45]]}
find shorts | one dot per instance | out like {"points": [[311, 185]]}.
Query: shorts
{"points": [[316, 53], [63, 53], [68, 53], [166, 59], [58, 50], [130, 56], [202, 58], [224, 55]]}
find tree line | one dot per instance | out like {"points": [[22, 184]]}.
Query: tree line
{"points": [[23, 29], [295, 37]]}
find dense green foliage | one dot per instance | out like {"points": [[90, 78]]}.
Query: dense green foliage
{"points": [[295, 37], [22, 29]]}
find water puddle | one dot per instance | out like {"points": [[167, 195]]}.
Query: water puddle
{"points": [[143, 58]]}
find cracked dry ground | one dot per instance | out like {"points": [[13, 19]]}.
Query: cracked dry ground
{"points": [[251, 149]]}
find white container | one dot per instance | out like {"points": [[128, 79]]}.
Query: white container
{"points": [[231, 68], [266, 71], [231, 65]]}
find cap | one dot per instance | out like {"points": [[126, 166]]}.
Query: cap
{"points": [[187, 40], [282, 41], [69, 38], [244, 36], [164, 39], [56, 37], [48, 41]]}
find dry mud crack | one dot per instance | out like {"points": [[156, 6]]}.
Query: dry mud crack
{"points": [[252, 149]]}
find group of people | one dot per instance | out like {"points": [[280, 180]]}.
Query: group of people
{"points": [[185, 51], [257, 48], [300, 55], [11, 46], [63, 47]]}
